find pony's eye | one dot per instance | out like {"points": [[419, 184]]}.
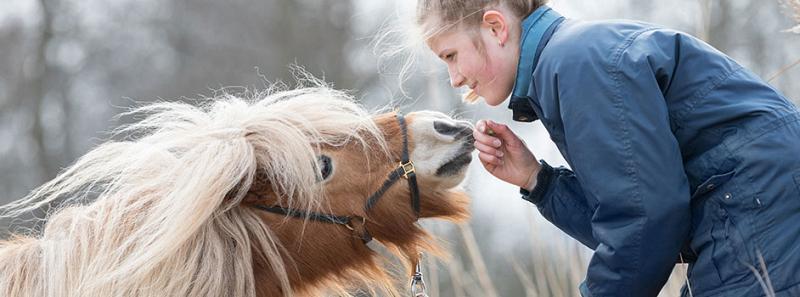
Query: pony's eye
{"points": [[325, 166]]}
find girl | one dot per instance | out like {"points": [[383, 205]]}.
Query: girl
{"points": [[677, 152]]}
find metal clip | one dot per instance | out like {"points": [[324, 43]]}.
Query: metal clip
{"points": [[417, 284], [408, 168]]}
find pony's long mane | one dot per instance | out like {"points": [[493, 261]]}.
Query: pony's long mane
{"points": [[157, 214]]}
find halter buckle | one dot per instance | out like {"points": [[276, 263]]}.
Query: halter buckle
{"points": [[349, 224], [408, 169]]}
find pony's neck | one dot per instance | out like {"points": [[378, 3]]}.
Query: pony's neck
{"points": [[317, 255]]}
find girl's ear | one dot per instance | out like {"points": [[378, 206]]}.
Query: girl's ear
{"points": [[496, 23]]}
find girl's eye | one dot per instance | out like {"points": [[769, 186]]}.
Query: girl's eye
{"points": [[450, 57]]}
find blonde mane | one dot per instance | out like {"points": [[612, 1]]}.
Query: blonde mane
{"points": [[157, 214]]}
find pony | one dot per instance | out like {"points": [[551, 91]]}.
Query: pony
{"points": [[239, 196]]}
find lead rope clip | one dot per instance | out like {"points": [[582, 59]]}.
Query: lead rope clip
{"points": [[417, 284]]}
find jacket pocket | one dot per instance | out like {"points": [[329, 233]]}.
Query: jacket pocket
{"points": [[718, 238], [733, 256], [712, 183], [701, 212]]}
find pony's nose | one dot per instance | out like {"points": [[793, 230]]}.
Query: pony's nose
{"points": [[456, 130]]}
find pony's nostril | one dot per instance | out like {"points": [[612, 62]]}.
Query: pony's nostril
{"points": [[452, 129], [445, 128]]}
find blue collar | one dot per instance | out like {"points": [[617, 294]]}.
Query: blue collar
{"points": [[534, 28], [537, 29]]}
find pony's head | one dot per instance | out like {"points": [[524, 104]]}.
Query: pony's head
{"points": [[269, 196], [373, 185]]}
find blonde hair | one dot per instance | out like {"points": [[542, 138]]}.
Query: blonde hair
{"points": [[158, 214], [435, 17]]}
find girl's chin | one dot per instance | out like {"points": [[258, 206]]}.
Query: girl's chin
{"points": [[492, 100], [495, 100]]}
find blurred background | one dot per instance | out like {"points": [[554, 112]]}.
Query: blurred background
{"points": [[68, 66]]}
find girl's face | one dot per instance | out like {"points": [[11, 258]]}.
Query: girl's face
{"points": [[486, 63]]}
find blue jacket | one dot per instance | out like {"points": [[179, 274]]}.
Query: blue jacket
{"points": [[642, 115]]}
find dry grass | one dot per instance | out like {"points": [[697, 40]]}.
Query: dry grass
{"points": [[477, 261], [555, 267]]}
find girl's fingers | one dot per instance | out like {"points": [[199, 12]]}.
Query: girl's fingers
{"points": [[483, 148], [482, 137], [503, 132], [490, 159]]}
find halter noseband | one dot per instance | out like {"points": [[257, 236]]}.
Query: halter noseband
{"points": [[405, 169]]}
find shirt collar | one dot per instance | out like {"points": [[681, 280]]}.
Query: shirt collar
{"points": [[534, 28], [536, 31]]}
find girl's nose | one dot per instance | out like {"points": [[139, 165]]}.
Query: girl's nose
{"points": [[456, 79]]}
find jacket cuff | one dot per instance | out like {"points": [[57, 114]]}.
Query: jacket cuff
{"points": [[542, 183]]}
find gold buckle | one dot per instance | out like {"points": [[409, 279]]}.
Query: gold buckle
{"points": [[408, 168]]}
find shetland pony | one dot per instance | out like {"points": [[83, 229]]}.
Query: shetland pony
{"points": [[176, 208]]}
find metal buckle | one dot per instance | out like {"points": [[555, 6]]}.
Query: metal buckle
{"points": [[408, 168], [349, 224]]}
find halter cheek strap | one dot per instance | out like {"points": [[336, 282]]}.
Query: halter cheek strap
{"points": [[346, 221], [405, 170]]}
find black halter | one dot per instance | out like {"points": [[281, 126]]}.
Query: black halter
{"points": [[405, 170]]}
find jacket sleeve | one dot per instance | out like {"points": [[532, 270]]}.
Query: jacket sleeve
{"points": [[617, 134], [560, 200]]}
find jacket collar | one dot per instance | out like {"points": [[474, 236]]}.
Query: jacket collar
{"points": [[536, 31]]}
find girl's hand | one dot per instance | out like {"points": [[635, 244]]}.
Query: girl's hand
{"points": [[505, 155]]}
